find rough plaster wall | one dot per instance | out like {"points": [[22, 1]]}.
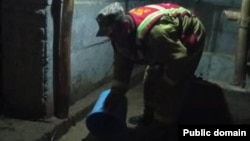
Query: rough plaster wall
{"points": [[216, 66], [49, 53], [89, 65], [217, 63], [221, 41], [24, 42]]}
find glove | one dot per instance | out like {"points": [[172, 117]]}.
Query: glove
{"points": [[113, 100]]}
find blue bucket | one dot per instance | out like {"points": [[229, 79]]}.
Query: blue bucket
{"points": [[107, 125]]}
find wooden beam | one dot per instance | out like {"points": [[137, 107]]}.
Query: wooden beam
{"points": [[64, 79]]}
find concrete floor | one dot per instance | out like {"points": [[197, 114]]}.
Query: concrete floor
{"points": [[207, 104], [72, 128], [135, 103]]}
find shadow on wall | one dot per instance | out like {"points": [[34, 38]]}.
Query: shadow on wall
{"points": [[206, 104]]}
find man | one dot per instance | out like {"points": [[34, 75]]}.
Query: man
{"points": [[167, 38]]}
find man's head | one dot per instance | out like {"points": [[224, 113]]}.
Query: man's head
{"points": [[111, 20], [114, 23]]}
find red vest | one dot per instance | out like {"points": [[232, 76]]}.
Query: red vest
{"points": [[146, 16]]}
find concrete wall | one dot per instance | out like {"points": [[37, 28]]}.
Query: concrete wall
{"points": [[217, 62], [24, 64], [28, 30], [222, 34]]}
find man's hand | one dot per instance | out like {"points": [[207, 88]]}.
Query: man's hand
{"points": [[113, 100]]}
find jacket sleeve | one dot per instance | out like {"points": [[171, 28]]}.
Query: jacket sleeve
{"points": [[122, 71]]}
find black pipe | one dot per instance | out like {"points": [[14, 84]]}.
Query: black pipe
{"points": [[64, 83], [56, 16]]}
